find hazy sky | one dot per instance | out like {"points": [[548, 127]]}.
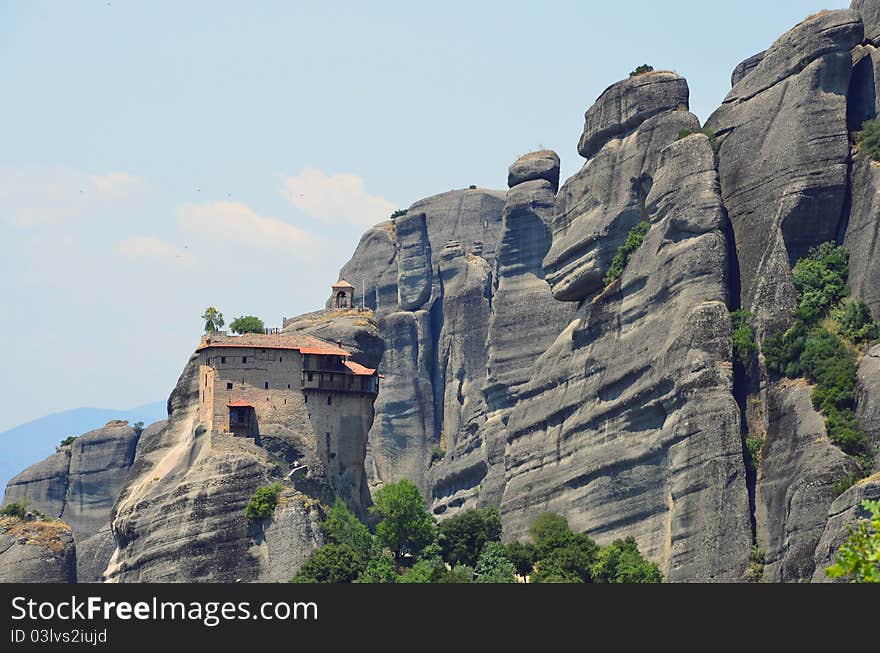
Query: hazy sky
{"points": [[158, 157]]}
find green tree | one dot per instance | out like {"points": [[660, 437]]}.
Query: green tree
{"points": [[859, 557], [332, 563], [460, 574], [18, 509], [379, 569], [820, 280], [213, 319], [570, 563], [622, 562], [430, 570], [549, 531], [68, 440], [463, 536], [138, 428], [342, 527], [406, 527], [522, 555], [247, 324], [493, 565], [641, 70], [262, 504], [856, 322]]}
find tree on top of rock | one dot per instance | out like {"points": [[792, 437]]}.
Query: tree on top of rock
{"points": [[213, 319], [247, 324]]}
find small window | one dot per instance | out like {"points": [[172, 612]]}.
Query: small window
{"points": [[206, 379], [223, 360], [331, 378], [229, 386], [329, 400], [244, 359], [311, 374], [281, 359], [267, 385], [307, 399], [288, 386]]}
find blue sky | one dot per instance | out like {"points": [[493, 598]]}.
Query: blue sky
{"points": [[159, 157]]}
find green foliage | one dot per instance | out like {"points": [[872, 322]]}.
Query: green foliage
{"points": [[641, 70], [68, 440], [634, 240], [493, 565], [754, 444], [622, 562], [213, 319], [398, 213], [856, 322], [406, 526], [262, 504], [247, 324], [683, 133], [522, 555], [472, 187], [138, 428], [430, 570], [745, 348], [463, 536], [460, 574], [845, 482], [859, 557], [549, 531], [755, 571], [437, 454], [342, 527], [820, 281], [332, 563], [782, 350], [868, 139], [570, 563], [379, 569], [18, 509]]}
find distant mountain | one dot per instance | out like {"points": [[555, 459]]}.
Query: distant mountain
{"points": [[26, 444]]}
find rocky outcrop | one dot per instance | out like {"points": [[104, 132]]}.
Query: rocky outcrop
{"points": [[627, 104], [869, 11], [844, 513], [745, 67], [597, 207], [403, 267], [862, 239], [282, 544], [36, 551], [535, 166], [356, 330], [784, 157], [43, 485], [799, 467], [628, 426], [862, 101], [868, 398]]}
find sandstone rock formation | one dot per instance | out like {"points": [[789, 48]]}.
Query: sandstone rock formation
{"points": [[745, 67], [784, 157], [862, 238], [799, 467], [36, 551]]}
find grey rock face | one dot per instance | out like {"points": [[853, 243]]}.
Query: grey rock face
{"points": [[288, 539], [43, 485], [533, 167], [93, 554], [745, 67], [862, 102], [625, 105], [628, 426], [414, 271], [598, 206], [783, 199], [403, 270], [844, 513], [794, 491], [36, 552], [99, 464], [869, 10], [862, 239], [868, 397]]}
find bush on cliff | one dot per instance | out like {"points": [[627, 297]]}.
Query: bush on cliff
{"points": [[262, 504], [858, 559], [332, 563], [868, 139], [634, 240], [642, 70]]}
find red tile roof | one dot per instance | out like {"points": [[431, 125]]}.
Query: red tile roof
{"points": [[239, 404], [359, 370], [302, 343], [342, 283]]}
